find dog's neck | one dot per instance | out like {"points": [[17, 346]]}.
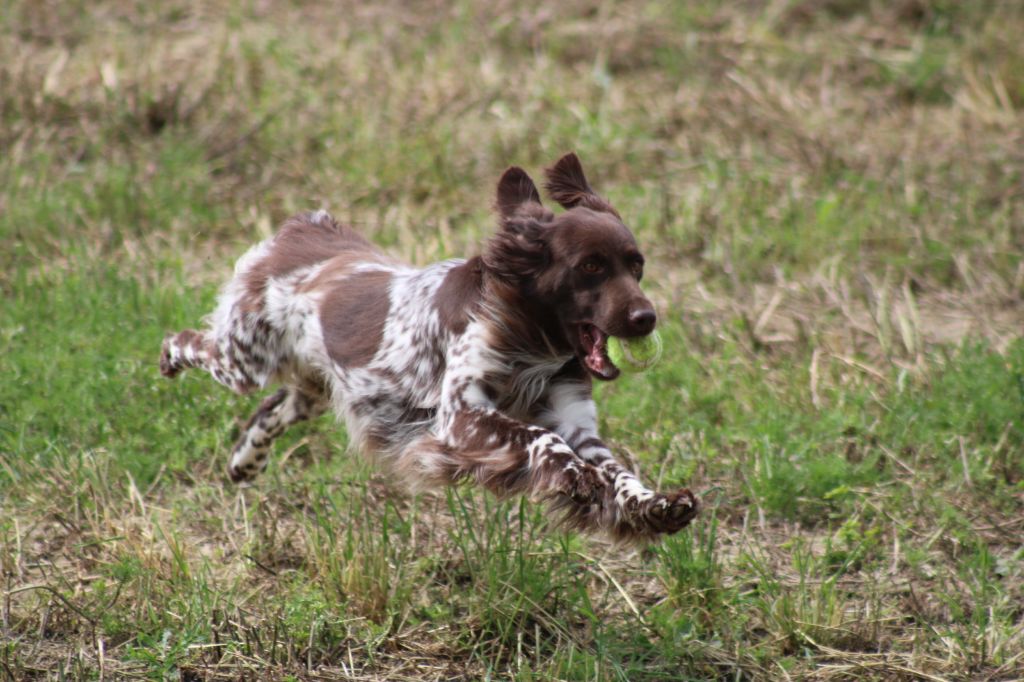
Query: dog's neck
{"points": [[522, 323]]}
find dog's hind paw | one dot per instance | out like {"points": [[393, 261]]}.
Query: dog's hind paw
{"points": [[168, 367]]}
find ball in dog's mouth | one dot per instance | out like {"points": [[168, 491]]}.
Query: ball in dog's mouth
{"points": [[636, 354]]}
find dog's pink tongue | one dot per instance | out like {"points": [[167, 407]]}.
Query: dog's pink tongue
{"points": [[597, 358], [597, 361]]}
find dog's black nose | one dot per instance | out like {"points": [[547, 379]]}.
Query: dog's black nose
{"points": [[643, 320]]}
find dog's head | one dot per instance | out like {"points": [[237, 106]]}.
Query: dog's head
{"points": [[582, 267]]}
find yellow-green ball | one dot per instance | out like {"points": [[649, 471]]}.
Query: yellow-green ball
{"points": [[635, 355]]}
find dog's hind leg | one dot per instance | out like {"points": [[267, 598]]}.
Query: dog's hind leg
{"points": [[182, 351], [192, 348], [289, 405]]}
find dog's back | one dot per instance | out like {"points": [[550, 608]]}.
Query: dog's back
{"points": [[318, 300], [267, 316]]}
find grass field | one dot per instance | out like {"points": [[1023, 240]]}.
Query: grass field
{"points": [[830, 194]]}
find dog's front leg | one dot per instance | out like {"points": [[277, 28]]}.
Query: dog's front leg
{"points": [[473, 439], [510, 457], [637, 510]]}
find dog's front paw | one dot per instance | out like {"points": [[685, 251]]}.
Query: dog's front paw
{"points": [[670, 512]]}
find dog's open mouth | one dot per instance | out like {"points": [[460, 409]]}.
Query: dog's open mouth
{"points": [[594, 343]]}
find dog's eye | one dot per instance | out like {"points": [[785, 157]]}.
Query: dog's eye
{"points": [[637, 268], [592, 267]]}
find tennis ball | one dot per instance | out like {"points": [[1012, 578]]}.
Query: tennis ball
{"points": [[635, 355]]}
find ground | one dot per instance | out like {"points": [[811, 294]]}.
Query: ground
{"points": [[829, 194]]}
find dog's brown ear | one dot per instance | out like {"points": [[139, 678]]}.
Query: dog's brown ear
{"points": [[515, 188], [519, 251], [569, 187]]}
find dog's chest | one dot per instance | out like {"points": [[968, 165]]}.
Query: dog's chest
{"points": [[525, 383]]}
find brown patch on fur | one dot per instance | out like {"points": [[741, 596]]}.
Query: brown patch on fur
{"points": [[459, 294], [352, 316], [304, 241]]}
